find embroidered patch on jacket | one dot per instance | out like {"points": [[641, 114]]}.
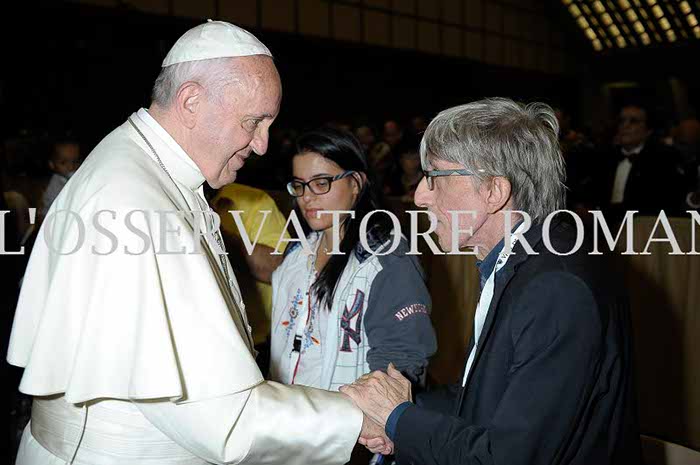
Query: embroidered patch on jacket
{"points": [[412, 309], [308, 339], [295, 304], [346, 320]]}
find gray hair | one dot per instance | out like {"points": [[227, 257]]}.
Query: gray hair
{"points": [[499, 137], [212, 74]]}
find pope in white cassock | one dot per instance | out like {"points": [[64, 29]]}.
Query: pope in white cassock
{"points": [[130, 324]]}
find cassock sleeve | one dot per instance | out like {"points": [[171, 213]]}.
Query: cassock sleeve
{"points": [[269, 424]]}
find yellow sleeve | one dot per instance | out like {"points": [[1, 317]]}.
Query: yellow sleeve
{"points": [[274, 224]]}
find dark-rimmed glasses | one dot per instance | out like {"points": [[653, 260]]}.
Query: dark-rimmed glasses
{"points": [[430, 174], [319, 186]]}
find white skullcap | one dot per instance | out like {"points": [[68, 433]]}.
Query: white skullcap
{"points": [[214, 39]]}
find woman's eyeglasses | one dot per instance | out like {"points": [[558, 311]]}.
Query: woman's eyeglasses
{"points": [[319, 186]]}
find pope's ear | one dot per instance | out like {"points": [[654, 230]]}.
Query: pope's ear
{"points": [[187, 101]]}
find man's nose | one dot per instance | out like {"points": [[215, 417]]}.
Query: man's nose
{"points": [[422, 196]]}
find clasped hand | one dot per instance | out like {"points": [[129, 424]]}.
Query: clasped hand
{"points": [[377, 394]]}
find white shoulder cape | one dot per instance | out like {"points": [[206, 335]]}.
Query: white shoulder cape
{"points": [[127, 325]]}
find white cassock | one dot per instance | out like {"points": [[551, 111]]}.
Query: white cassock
{"points": [[139, 356]]}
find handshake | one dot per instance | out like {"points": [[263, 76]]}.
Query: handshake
{"points": [[377, 394]]}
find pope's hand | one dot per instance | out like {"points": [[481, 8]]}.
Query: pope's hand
{"points": [[378, 393], [373, 438]]}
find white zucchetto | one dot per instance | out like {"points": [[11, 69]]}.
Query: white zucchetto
{"points": [[214, 39]]}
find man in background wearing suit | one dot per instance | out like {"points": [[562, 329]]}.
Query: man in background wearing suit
{"points": [[640, 173]]}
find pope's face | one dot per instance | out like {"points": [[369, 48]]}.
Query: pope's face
{"points": [[236, 123]]}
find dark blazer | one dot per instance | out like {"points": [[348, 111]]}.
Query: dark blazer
{"points": [[552, 380], [656, 182]]}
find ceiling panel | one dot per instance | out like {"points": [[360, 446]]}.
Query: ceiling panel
{"points": [[621, 24]]}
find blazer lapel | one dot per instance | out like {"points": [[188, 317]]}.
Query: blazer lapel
{"points": [[503, 277]]}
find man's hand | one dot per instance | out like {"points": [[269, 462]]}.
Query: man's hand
{"points": [[373, 438], [378, 394]]}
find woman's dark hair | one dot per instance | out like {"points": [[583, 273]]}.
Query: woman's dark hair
{"points": [[344, 149]]}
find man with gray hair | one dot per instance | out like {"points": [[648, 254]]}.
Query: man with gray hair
{"points": [[547, 377], [130, 324]]}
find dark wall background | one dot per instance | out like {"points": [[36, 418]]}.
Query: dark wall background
{"points": [[91, 67]]}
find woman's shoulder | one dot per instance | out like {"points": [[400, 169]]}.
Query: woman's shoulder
{"points": [[298, 247], [383, 244]]}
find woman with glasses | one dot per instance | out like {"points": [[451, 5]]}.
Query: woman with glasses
{"points": [[338, 316]]}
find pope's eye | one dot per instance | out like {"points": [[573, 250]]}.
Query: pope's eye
{"points": [[252, 124]]}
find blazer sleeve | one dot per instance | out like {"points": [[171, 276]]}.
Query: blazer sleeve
{"points": [[557, 336], [440, 399]]}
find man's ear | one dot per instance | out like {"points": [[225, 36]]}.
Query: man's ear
{"points": [[498, 195], [187, 101]]}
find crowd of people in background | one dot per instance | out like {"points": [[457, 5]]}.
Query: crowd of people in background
{"points": [[643, 164]]}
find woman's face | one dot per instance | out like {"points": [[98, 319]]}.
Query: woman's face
{"points": [[342, 196]]}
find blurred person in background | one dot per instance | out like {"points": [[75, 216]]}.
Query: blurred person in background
{"points": [[365, 135], [63, 163], [639, 173], [418, 125], [580, 158], [253, 270], [379, 158], [392, 133], [408, 173], [687, 142]]}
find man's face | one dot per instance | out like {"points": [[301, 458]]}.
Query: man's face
{"points": [[419, 124], [237, 122], [410, 162], [564, 122], [689, 132], [632, 128], [453, 193], [66, 159], [365, 136], [392, 133]]}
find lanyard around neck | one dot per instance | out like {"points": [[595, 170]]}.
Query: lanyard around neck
{"points": [[486, 297]]}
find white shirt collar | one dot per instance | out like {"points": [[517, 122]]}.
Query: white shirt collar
{"points": [[180, 166], [633, 150]]}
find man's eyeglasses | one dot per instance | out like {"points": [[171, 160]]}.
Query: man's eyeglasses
{"points": [[319, 186], [429, 175]]}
